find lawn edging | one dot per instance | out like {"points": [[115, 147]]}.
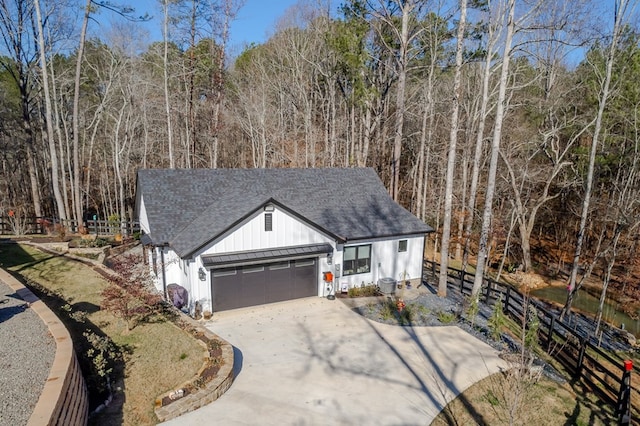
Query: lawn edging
{"points": [[209, 391], [64, 398]]}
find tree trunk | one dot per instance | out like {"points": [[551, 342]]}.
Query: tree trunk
{"points": [[621, 6], [495, 150], [165, 81], [55, 180], [77, 202], [451, 158]]}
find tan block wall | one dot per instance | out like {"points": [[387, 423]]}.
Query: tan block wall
{"points": [[64, 399]]}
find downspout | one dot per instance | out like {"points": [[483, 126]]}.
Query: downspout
{"points": [[164, 274], [424, 247]]}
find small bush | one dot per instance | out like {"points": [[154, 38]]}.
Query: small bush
{"points": [[497, 320], [407, 315], [387, 310], [366, 291], [446, 317], [131, 296], [103, 354], [473, 307]]}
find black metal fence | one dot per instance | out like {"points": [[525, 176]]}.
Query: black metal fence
{"points": [[574, 348], [12, 225]]}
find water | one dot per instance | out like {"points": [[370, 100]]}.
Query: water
{"points": [[587, 303]]}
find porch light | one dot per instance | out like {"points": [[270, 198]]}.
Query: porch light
{"points": [[202, 274]]}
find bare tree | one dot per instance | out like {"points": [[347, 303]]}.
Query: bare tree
{"points": [[55, 180], [621, 13], [483, 248], [451, 157]]}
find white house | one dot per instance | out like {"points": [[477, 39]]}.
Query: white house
{"points": [[242, 237]]}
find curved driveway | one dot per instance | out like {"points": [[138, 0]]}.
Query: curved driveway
{"points": [[315, 362]]}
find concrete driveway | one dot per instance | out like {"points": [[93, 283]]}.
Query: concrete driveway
{"points": [[315, 362]]}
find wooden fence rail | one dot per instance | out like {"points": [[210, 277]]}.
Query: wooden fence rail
{"points": [[11, 225], [574, 348]]}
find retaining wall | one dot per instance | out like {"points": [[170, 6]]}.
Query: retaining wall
{"points": [[64, 399]]}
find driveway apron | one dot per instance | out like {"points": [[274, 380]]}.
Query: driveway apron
{"points": [[315, 362]]}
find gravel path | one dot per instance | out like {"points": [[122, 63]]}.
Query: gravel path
{"points": [[26, 355]]}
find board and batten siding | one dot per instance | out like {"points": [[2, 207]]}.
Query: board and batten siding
{"points": [[386, 261], [143, 220], [287, 231]]}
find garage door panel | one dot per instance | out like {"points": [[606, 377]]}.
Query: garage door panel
{"points": [[253, 285], [305, 278], [227, 288], [279, 285], [253, 290]]}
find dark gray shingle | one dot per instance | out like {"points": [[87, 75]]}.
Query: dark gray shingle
{"points": [[187, 208]]}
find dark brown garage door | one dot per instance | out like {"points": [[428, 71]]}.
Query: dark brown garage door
{"points": [[252, 285]]}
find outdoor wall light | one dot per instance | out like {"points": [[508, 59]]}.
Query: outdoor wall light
{"points": [[269, 208], [202, 274]]}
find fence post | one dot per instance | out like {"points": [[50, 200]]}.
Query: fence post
{"points": [[489, 288], [506, 300], [462, 274], [552, 324], [623, 408], [583, 346], [433, 268]]}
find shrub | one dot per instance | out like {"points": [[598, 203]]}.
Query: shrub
{"points": [[446, 317], [103, 354], [365, 291], [131, 295], [473, 307], [497, 320], [387, 310]]}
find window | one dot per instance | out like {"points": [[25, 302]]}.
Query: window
{"points": [[402, 245], [251, 269], [357, 260], [268, 222]]}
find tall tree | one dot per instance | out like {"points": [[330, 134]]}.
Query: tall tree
{"points": [[620, 15], [483, 247], [451, 155], [55, 179]]}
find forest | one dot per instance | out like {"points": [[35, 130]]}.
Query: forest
{"points": [[512, 127]]}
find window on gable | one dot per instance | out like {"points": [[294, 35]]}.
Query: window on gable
{"points": [[402, 245], [268, 222], [356, 260]]}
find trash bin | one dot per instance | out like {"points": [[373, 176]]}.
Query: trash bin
{"points": [[387, 285]]}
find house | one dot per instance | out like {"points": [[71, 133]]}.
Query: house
{"points": [[242, 237]]}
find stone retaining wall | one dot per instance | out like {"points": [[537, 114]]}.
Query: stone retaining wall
{"points": [[64, 399], [211, 390]]}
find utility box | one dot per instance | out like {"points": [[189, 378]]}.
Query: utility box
{"points": [[387, 285]]}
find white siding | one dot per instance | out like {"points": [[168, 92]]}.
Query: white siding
{"points": [[287, 231], [250, 235], [142, 216], [386, 261]]}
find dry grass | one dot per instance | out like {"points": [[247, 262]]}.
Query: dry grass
{"points": [[507, 398], [158, 356]]}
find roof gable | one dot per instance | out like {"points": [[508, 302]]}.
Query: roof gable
{"points": [[187, 208]]}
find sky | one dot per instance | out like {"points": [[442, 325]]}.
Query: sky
{"points": [[254, 23]]}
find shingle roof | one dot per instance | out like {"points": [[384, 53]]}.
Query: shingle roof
{"points": [[187, 208]]}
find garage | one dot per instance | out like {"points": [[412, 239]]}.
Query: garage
{"points": [[257, 284]]}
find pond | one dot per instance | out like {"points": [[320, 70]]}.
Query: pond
{"points": [[589, 304]]}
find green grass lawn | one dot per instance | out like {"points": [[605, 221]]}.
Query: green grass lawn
{"points": [[155, 356]]}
